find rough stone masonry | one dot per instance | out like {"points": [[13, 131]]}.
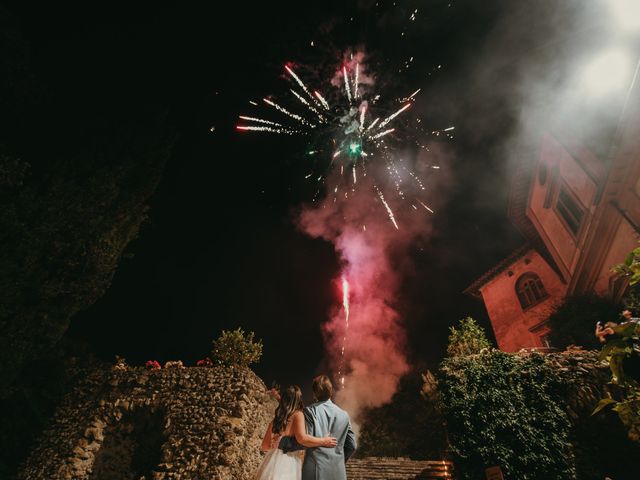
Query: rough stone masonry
{"points": [[180, 423]]}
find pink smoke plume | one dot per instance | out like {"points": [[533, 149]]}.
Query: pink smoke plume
{"points": [[351, 60], [375, 256]]}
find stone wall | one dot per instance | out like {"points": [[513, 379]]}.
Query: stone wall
{"points": [[182, 423]]}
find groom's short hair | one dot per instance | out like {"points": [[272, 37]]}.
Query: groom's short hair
{"points": [[322, 388]]}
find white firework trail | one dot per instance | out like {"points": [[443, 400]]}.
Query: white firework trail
{"points": [[259, 128], [346, 83], [389, 211], [363, 111], [355, 81], [414, 94], [287, 112], [392, 116], [372, 124], [425, 206], [306, 104], [299, 82], [382, 134], [355, 180], [324, 103], [260, 120]]}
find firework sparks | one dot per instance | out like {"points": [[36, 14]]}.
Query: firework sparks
{"points": [[392, 116], [299, 82], [324, 103], [344, 129], [363, 111], [373, 124], [382, 134], [307, 104], [389, 211], [346, 83], [425, 206], [287, 112], [355, 81], [260, 120], [264, 128]]}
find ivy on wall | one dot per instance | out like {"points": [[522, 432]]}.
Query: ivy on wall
{"points": [[503, 409]]}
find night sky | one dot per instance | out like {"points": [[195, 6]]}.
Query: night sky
{"points": [[220, 248]]}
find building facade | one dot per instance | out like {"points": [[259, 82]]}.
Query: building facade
{"points": [[580, 215]]}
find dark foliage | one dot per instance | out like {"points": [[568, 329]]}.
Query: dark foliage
{"points": [[74, 187], [62, 237], [408, 426], [574, 321]]}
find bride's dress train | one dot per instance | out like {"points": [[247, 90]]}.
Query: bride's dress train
{"points": [[278, 465]]}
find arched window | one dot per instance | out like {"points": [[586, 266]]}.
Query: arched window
{"points": [[530, 290]]}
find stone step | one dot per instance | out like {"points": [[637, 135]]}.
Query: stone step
{"points": [[383, 468]]}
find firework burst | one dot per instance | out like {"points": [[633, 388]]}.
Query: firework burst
{"points": [[349, 131]]}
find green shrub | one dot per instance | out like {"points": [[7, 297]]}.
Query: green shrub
{"points": [[505, 409], [630, 267], [236, 349], [621, 353], [467, 339]]}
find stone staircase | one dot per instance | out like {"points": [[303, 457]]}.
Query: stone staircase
{"points": [[381, 468]]}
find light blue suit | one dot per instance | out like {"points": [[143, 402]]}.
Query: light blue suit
{"points": [[320, 463]]}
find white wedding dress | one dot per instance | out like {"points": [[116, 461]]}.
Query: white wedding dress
{"points": [[278, 465]]}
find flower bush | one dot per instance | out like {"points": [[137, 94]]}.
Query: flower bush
{"points": [[205, 362], [152, 365]]}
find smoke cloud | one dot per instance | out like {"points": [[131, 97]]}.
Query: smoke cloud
{"points": [[375, 257]]}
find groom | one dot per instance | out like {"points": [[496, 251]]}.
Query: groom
{"points": [[325, 418]]}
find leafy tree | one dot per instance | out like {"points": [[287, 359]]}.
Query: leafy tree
{"points": [[622, 351], [625, 400], [236, 348], [630, 267], [469, 338], [573, 321]]}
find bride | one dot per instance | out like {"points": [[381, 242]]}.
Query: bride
{"points": [[287, 427]]}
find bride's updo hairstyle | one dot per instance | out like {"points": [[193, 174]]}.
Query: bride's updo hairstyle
{"points": [[290, 402]]}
